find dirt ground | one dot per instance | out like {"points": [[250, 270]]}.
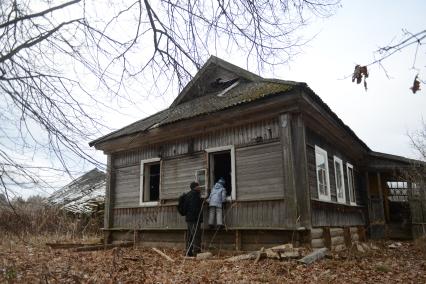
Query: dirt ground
{"points": [[37, 263]]}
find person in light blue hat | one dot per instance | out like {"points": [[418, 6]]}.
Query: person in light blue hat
{"points": [[216, 199]]}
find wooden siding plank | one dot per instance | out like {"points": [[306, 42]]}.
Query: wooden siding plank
{"points": [[179, 173], [258, 175], [241, 215]]}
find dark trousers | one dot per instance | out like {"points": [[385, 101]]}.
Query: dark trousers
{"points": [[193, 241]]}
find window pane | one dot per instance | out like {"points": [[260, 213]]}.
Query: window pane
{"points": [[151, 182], [339, 179], [351, 184], [320, 159], [322, 172]]}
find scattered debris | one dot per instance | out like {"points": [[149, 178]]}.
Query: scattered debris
{"points": [[359, 247], [360, 73], [163, 254], [314, 256], [96, 241], [283, 248], [272, 254], [102, 246], [395, 245], [338, 248], [416, 84], [204, 255], [65, 245], [35, 262], [260, 254], [251, 255]]}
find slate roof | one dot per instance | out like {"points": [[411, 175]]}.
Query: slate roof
{"points": [[250, 88], [82, 194], [242, 93]]}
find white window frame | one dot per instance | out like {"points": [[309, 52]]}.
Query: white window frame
{"points": [[205, 177], [351, 186], [340, 169], [141, 183], [233, 183], [323, 197]]}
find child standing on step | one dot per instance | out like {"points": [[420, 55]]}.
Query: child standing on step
{"points": [[216, 199]]}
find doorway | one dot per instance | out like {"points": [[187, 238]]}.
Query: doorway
{"points": [[220, 167]]}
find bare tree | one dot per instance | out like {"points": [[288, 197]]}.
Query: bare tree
{"points": [[61, 61], [406, 40]]}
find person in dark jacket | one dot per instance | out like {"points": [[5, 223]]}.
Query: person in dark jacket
{"points": [[193, 218]]}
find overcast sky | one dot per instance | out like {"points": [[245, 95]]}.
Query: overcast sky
{"points": [[381, 117], [384, 114]]}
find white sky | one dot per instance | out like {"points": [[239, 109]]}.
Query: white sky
{"points": [[384, 114], [381, 117]]}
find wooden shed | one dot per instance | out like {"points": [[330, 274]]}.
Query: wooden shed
{"points": [[294, 171]]}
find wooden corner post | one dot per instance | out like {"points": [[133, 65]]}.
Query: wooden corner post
{"points": [[290, 198], [108, 201]]}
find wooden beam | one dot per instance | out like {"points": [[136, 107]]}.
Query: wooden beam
{"points": [[108, 201], [288, 171], [163, 254], [300, 166], [327, 237], [314, 256], [103, 246], [237, 240]]}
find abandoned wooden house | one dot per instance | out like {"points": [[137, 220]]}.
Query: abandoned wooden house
{"points": [[294, 171], [83, 195]]}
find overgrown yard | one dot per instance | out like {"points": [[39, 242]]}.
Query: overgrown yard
{"points": [[36, 263]]}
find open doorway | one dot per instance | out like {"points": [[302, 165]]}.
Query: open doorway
{"points": [[220, 166]]}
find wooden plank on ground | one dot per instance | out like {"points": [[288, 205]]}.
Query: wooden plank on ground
{"points": [[103, 246], [314, 256]]}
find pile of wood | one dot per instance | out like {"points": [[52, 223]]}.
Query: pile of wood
{"points": [[282, 252], [286, 251]]}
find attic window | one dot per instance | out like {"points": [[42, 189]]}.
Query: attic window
{"points": [[219, 83]]}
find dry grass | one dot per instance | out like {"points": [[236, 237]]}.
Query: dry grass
{"points": [[420, 243], [27, 220]]}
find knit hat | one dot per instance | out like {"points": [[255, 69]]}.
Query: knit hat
{"points": [[194, 184]]}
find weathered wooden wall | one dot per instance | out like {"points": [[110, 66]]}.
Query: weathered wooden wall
{"points": [[260, 202], [126, 186], [241, 135], [178, 173], [259, 172], [238, 215], [181, 158], [333, 214]]}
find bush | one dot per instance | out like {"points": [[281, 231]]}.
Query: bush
{"points": [[36, 218]]}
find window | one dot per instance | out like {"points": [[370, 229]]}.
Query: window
{"points": [[398, 191], [200, 177], [323, 180], [340, 185], [222, 164], [351, 183], [150, 182]]}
